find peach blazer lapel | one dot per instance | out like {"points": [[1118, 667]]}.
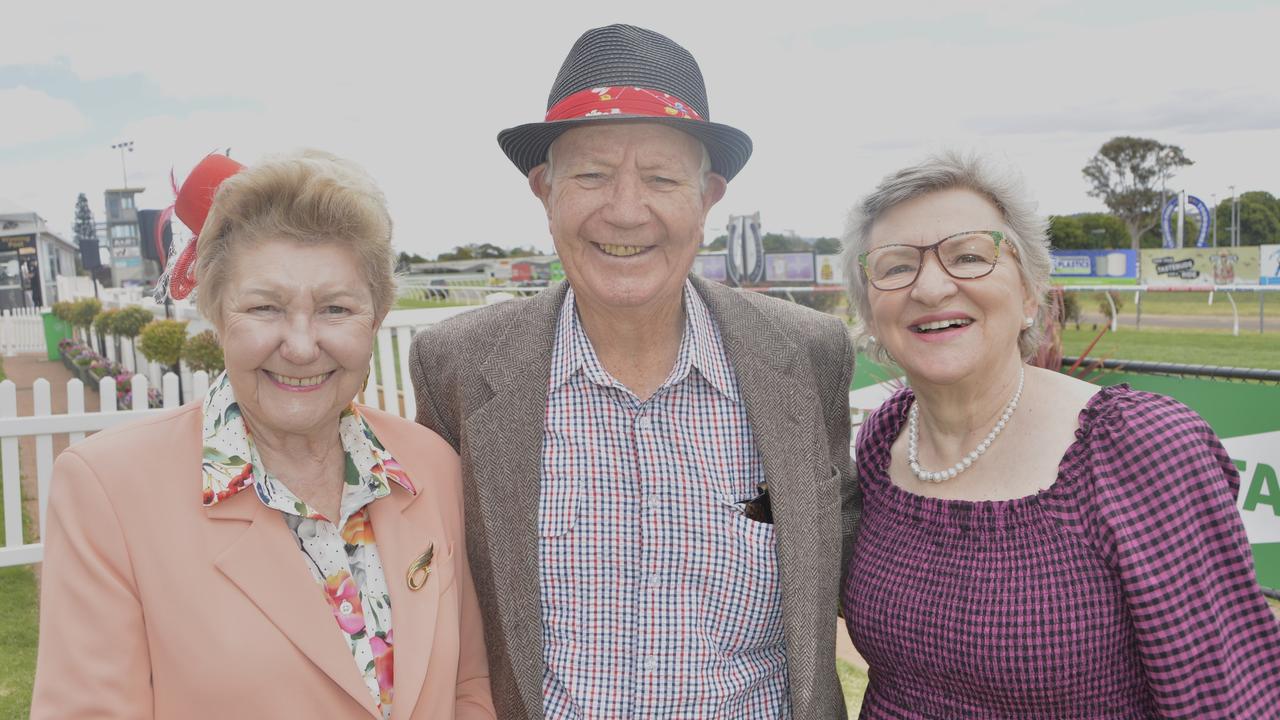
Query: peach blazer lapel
{"points": [[263, 560], [401, 540]]}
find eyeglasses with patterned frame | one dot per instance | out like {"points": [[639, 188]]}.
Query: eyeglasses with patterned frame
{"points": [[966, 255]]}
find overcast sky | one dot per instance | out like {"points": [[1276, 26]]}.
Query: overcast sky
{"points": [[835, 95]]}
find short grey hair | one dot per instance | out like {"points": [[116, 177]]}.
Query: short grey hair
{"points": [[704, 169], [1028, 232]]}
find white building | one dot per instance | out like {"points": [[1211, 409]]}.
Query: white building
{"points": [[32, 257]]}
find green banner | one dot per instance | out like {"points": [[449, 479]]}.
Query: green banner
{"points": [[1245, 415]]}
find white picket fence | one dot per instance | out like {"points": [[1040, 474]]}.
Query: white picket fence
{"points": [[21, 330], [43, 426], [389, 388]]}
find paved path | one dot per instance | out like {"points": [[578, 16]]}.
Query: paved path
{"points": [[24, 370], [845, 649]]}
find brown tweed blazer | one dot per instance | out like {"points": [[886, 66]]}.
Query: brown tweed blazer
{"points": [[481, 383]]}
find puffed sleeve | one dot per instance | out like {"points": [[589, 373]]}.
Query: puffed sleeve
{"points": [[1166, 516], [93, 659]]}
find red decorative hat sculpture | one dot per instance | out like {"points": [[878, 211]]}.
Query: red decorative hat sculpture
{"points": [[192, 207]]}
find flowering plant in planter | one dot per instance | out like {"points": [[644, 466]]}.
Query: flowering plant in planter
{"points": [[124, 393], [101, 367]]}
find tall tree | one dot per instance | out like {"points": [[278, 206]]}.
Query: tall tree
{"points": [[779, 243], [1104, 231], [1065, 233], [1259, 218], [826, 246], [84, 229], [1130, 175], [719, 243]]}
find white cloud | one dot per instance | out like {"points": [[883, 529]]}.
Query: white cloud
{"points": [[835, 95], [31, 116]]}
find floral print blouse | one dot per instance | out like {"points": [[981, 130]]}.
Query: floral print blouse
{"points": [[341, 555]]}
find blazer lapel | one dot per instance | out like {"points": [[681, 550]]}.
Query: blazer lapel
{"points": [[400, 542], [502, 451], [785, 415], [265, 563]]}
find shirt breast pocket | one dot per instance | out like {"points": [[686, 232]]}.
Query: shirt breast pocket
{"points": [[559, 508], [741, 592]]}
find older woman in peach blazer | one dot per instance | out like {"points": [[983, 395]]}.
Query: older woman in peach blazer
{"points": [[273, 550]]}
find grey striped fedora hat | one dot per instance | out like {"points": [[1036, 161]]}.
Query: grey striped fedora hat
{"points": [[622, 72]]}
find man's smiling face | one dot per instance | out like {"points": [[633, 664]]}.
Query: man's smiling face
{"points": [[626, 203]]}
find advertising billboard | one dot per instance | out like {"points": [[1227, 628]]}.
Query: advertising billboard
{"points": [[713, 266], [830, 270], [23, 244], [1101, 265], [1201, 266], [1270, 272], [789, 267]]}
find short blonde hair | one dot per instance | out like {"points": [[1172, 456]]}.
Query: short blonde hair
{"points": [[309, 197], [1028, 231]]}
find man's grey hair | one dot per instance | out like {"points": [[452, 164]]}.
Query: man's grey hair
{"points": [[1028, 232], [704, 169]]}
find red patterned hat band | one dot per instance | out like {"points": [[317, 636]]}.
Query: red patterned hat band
{"points": [[621, 100]]}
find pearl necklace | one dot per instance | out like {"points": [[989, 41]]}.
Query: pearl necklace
{"points": [[913, 439]]}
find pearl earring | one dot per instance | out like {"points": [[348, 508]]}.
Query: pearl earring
{"points": [[1028, 321]]}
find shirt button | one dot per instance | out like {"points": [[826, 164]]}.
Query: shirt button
{"points": [[651, 663], [645, 422], [345, 608]]}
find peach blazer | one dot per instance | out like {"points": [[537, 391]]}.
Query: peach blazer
{"points": [[156, 606]]}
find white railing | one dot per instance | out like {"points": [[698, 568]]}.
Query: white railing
{"points": [[43, 425], [389, 388], [21, 330], [421, 289], [1228, 290]]}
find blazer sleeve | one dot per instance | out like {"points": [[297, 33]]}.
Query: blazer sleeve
{"points": [[833, 359], [1167, 520], [850, 491], [93, 656]]}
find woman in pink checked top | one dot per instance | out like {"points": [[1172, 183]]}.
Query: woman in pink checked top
{"points": [[1030, 546]]}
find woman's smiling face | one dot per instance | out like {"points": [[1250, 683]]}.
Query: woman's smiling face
{"points": [[297, 327], [939, 329]]}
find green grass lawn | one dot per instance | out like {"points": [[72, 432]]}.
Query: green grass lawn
{"points": [[854, 683], [18, 632], [18, 635], [1192, 347]]}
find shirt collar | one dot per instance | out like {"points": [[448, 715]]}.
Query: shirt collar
{"points": [[230, 461], [701, 348]]}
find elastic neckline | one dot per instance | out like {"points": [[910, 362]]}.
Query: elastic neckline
{"points": [[968, 515]]}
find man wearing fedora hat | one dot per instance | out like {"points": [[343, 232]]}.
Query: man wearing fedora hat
{"points": [[657, 470]]}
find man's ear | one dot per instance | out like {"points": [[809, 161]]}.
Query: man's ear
{"points": [[540, 185], [715, 188]]}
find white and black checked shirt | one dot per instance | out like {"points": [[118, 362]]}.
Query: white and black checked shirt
{"points": [[660, 599]]}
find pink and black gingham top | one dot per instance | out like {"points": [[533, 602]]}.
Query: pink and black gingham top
{"points": [[1125, 590]]}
